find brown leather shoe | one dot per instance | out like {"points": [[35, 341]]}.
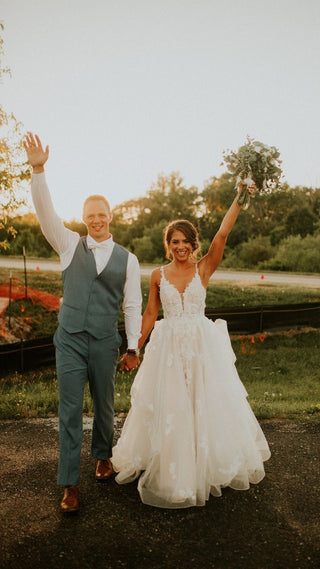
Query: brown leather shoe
{"points": [[104, 470], [70, 500]]}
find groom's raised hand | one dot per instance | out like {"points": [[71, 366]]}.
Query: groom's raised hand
{"points": [[37, 156]]}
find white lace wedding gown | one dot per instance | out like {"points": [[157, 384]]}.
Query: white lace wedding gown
{"points": [[190, 430]]}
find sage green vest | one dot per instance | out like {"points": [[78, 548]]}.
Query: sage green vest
{"points": [[90, 301]]}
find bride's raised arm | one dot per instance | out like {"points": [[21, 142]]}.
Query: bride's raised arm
{"points": [[208, 264]]}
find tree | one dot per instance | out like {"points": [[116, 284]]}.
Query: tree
{"points": [[136, 219], [217, 196], [14, 170], [300, 221], [150, 247], [28, 235], [296, 253]]}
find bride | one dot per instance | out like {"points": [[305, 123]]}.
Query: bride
{"points": [[190, 431]]}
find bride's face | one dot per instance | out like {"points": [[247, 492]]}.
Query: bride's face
{"points": [[179, 246]]}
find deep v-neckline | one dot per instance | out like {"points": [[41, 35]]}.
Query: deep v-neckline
{"points": [[187, 286]]}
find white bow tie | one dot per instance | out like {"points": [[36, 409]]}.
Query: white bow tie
{"points": [[95, 245]]}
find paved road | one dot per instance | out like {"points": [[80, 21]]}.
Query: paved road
{"points": [[273, 525], [242, 276]]}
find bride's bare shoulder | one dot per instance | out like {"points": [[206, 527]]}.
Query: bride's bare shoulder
{"points": [[155, 276]]}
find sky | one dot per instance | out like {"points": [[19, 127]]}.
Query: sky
{"points": [[125, 90]]}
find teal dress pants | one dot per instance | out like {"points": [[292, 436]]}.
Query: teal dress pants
{"points": [[81, 357]]}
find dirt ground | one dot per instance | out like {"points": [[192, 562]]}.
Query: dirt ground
{"points": [[273, 525]]}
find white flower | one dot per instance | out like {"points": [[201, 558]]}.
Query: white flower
{"points": [[254, 161]]}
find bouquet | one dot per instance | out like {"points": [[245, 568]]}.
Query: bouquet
{"points": [[256, 163]]}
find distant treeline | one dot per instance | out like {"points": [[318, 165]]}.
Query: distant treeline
{"points": [[279, 231]]}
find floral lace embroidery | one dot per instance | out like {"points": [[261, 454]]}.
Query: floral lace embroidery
{"points": [[189, 303], [183, 309], [169, 423]]}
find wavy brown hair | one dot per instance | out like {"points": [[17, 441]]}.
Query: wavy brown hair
{"points": [[190, 232]]}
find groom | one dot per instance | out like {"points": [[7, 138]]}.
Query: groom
{"points": [[96, 273]]}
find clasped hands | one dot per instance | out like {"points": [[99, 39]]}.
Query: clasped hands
{"points": [[129, 362]]}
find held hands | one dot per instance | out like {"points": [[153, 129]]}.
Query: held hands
{"points": [[36, 155], [129, 362]]}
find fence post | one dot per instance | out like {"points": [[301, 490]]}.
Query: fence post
{"points": [[25, 273], [21, 356], [10, 292], [261, 319]]}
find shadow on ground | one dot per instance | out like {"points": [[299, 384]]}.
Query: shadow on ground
{"points": [[272, 525]]}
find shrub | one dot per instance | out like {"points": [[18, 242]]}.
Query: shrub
{"points": [[297, 254], [250, 254]]}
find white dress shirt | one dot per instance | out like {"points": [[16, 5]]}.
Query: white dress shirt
{"points": [[64, 242]]}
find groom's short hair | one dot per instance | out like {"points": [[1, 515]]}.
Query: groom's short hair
{"points": [[94, 198]]}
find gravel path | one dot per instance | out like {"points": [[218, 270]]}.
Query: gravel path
{"points": [[272, 525]]}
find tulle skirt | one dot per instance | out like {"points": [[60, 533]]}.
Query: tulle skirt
{"points": [[190, 430]]}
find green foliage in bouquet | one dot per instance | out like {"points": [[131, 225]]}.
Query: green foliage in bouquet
{"points": [[254, 162]]}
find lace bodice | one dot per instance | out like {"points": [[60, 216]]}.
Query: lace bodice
{"points": [[189, 303]]}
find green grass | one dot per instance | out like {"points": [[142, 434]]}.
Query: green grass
{"points": [[228, 293], [42, 321], [220, 294], [30, 394], [281, 374], [49, 281]]}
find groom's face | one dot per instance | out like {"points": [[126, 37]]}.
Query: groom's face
{"points": [[96, 216]]}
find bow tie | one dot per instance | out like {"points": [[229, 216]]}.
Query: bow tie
{"points": [[95, 245]]}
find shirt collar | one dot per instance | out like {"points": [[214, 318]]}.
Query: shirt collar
{"points": [[93, 244]]}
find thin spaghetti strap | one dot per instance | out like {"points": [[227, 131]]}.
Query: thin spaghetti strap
{"points": [[197, 271]]}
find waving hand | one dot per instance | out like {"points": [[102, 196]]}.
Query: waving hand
{"points": [[36, 155]]}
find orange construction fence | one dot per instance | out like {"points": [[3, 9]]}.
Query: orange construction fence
{"points": [[17, 291]]}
